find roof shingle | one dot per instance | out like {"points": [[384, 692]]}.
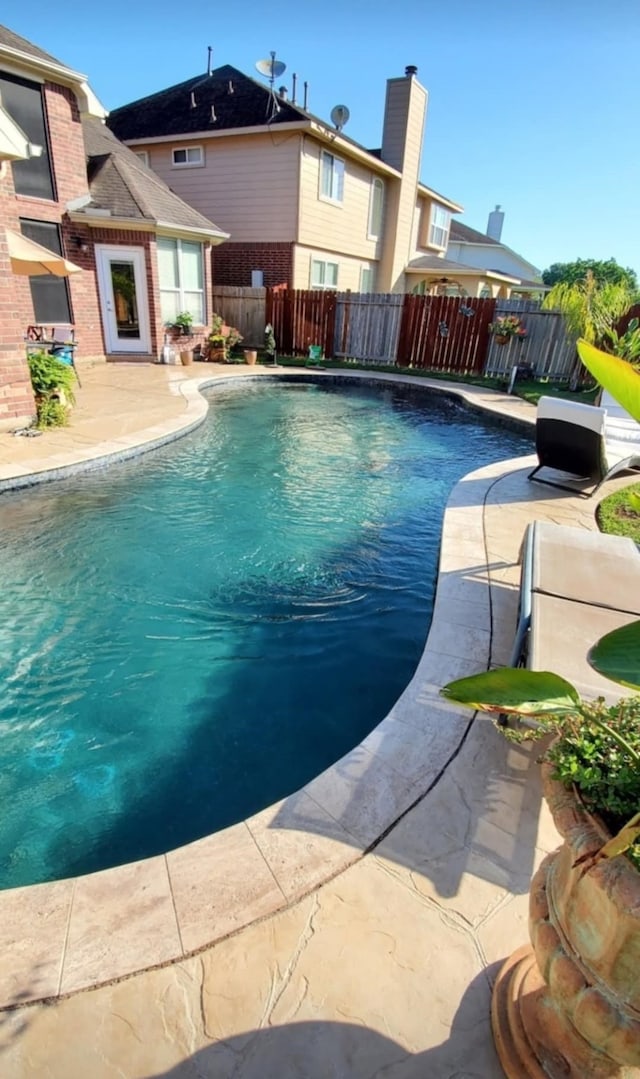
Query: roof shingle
{"points": [[14, 41], [121, 183]]}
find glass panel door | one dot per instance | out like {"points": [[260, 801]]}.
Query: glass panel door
{"points": [[123, 298]]}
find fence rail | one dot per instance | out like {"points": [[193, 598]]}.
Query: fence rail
{"points": [[433, 333]]}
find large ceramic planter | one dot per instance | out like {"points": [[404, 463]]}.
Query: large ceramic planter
{"points": [[569, 1006]]}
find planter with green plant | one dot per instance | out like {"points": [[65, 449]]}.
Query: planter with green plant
{"points": [[53, 384], [507, 327], [183, 323]]}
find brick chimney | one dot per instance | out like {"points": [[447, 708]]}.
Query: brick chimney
{"points": [[404, 118]]}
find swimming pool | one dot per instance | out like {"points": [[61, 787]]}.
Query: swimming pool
{"points": [[189, 637]]}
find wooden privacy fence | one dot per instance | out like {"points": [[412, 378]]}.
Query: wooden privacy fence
{"points": [[368, 326], [445, 333], [301, 318], [434, 333], [244, 308]]}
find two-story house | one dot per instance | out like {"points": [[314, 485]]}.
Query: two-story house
{"points": [[305, 205], [125, 253]]}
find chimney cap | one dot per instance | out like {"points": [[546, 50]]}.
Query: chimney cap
{"points": [[411, 69]]}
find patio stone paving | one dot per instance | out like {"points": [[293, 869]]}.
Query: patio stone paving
{"points": [[360, 923]]}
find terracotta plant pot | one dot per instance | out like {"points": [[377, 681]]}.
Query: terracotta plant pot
{"points": [[186, 358], [502, 339], [250, 355], [217, 354], [569, 1007]]}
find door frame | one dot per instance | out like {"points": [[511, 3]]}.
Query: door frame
{"points": [[105, 254]]}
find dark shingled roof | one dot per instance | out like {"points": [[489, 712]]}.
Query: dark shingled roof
{"points": [[14, 41], [471, 236], [121, 183], [238, 101]]}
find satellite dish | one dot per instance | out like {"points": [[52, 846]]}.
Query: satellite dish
{"points": [[271, 69], [339, 116]]}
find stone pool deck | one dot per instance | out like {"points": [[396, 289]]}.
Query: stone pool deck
{"points": [[353, 930]]}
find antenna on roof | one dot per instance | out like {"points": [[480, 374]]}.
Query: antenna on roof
{"points": [[271, 69], [210, 53], [339, 116], [306, 96]]}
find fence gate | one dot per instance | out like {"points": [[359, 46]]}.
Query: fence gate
{"points": [[445, 333], [243, 308]]}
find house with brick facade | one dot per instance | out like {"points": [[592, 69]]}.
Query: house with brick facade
{"points": [[140, 254], [305, 205]]}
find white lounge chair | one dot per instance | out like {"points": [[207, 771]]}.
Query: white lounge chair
{"points": [[588, 441]]}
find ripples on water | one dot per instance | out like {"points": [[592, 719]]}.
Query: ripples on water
{"points": [[191, 636]]}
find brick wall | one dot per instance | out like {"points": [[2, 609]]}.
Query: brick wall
{"points": [[16, 308], [233, 263]]}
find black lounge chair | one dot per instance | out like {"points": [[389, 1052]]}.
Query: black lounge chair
{"points": [[586, 441]]}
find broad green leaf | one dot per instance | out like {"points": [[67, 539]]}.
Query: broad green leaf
{"points": [[617, 655], [615, 375], [523, 692], [633, 498]]}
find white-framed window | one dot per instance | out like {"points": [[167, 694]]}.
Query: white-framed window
{"points": [[181, 279], [187, 157], [331, 177], [367, 279], [439, 226], [324, 274], [376, 200], [143, 155]]}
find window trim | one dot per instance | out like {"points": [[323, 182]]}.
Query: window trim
{"points": [[321, 195], [435, 207], [323, 287], [180, 291], [376, 183], [55, 227], [367, 270], [35, 83], [187, 164]]}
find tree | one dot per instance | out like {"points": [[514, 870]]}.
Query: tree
{"points": [[591, 310], [605, 273]]}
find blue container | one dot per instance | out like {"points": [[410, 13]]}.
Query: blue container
{"points": [[63, 353]]}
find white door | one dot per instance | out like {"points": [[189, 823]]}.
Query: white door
{"points": [[122, 283]]}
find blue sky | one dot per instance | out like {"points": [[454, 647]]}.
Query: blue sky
{"points": [[531, 106]]}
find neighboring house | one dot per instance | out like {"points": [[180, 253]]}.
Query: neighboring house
{"points": [[478, 249], [306, 206], [67, 184]]}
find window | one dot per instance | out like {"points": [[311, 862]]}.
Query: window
{"points": [[181, 278], [439, 226], [367, 279], [188, 157], [324, 274], [50, 295], [143, 156], [24, 102], [331, 177], [375, 209]]}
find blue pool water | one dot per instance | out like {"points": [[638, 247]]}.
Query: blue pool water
{"points": [[190, 636]]}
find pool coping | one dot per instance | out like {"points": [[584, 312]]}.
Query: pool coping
{"points": [[66, 936]]}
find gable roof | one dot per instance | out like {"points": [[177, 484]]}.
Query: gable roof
{"points": [[238, 101], [436, 264], [121, 183], [464, 234], [20, 44]]}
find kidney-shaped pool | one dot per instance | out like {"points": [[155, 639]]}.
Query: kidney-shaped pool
{"points": [[190, 636]]}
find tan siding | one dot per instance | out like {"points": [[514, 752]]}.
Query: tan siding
{"points": [[348, 268], [339, 227], [248, 185]]}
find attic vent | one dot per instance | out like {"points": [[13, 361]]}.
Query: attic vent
{"points": [[282, 90], [193, 100], [213, 114], [230, 88]]}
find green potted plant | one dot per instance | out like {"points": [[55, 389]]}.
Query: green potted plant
{"points": [[183, 323], [505, 327], [53, 384]]}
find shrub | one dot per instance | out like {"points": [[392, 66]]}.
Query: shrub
{"points": [[49, 374]]}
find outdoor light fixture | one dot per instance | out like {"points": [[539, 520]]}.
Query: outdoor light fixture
{"points": [[81, 244]]}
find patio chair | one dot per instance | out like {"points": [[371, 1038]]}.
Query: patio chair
{"points": [[586, 441]]}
